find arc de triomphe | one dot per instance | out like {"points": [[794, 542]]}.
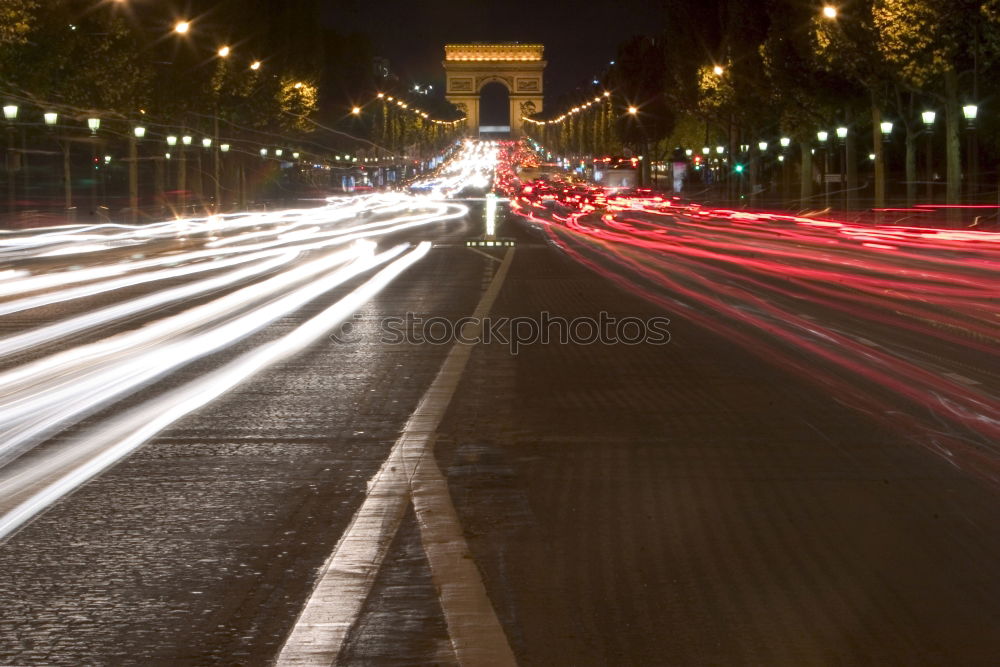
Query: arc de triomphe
{"points": [[518, 67]]}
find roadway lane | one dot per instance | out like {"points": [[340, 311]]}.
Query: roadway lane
{"points": [[703, 501], [202, 546]]}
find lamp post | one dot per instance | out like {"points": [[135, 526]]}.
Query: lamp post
{"points": [[928, 118], [971, 113], [842, 132], [823, 136], [138, 133], [10, 112], [94, 124], [786, 172]]}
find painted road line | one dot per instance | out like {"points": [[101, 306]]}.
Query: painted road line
{"points": [[347, 577], [476, 635]]}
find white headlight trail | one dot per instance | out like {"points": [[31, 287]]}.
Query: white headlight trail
{"points": [[103, 316], [54, 477], [69, 394]]}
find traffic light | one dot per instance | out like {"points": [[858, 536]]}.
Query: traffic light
{"points": [[738, 168]]}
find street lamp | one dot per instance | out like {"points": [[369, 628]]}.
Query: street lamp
{"points": [[928, 117], [886, 127], [719, 70], [51, 118], [356, 111], [823, 135], [720, 149], [182, 27], [224, 51], [688, 152], [171, 140], [841, 133], [186, 139], [279, 152], [295, 155], [830, 12], [633, 110], [224, 148], [139, 131], [255, 65], [971, 112], [785, 142], [94, 124], [706, 150], [10, 112], [206, 143], [762, 146], [263, 152]]}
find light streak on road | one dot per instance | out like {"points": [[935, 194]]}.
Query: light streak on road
{"points": [[244, 272], [900, 322], [49, 479]]}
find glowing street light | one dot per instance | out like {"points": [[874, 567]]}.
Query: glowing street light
{"points": [[255, 65], [830, 12], [971, 112], [51, 118], [706, 150], [841, 133], [928, 117], [224, 148], [182, 27], [139, 131], [263, 152], [720, 150], [356, 111], [822, 136], [886, 127], [94, 124], [785, 142], [10, 112], [762, 146], [225, 51], [186, 139], [171, 140], [206, 143], [633, 110]]}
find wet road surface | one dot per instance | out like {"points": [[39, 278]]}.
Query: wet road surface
{"points": [[682, 503]]}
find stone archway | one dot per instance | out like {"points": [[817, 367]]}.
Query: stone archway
{"points": [[518, 67]]}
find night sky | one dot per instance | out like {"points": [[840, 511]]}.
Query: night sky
{"points": [[579, 37]]}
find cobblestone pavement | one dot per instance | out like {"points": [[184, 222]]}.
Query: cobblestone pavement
{"points": [[679, 504]]}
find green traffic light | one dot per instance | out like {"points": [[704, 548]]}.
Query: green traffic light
{"points": [[739, 169]]}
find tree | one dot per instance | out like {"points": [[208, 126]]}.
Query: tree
{"points": [[639, 77], [928, 43], [16, 19]]}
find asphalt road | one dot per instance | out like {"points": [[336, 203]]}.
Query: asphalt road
{"points": [[701, 501]]}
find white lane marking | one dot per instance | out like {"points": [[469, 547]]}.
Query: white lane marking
{"points": [[476, 635], [346, 578], [485, 254]]}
